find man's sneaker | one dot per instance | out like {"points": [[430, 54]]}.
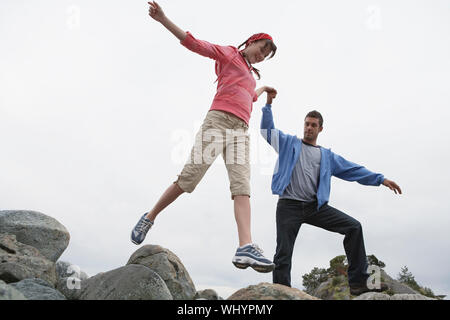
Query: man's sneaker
{"points": [[251, 256], [356, 290], [140, 230]]}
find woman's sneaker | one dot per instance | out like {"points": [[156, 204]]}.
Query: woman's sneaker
{"points": [[252, 256], [140, 230]]}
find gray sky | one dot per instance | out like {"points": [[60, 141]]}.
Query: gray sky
{"points": [[99, 106]]}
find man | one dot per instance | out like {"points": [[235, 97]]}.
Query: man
{"points": [[302, 180]]}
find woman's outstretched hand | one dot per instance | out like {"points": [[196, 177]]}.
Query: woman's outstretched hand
{"points": [[155, 11]]}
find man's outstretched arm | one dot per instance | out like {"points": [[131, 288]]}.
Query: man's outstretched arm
{"points": [[350, 171]]}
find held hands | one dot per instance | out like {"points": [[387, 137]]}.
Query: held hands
{"points": [[271, 94], [155, 11], [392, 185]]}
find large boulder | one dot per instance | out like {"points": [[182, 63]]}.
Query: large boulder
{"points": [[37, 289], [132, 282], [10, 293], [169, 267], [19, 261], [36, 229], [268, 291]]}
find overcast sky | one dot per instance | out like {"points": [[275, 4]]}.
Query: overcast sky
{"points": [[99, 106]]}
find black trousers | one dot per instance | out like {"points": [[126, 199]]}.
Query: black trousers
{"points": [[291, 214]]}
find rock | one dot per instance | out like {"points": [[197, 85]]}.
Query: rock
{"points": [[66, 269], [36, 229], [335, 288], [382, 296], [132, 282], [322, 291], [396, 286], [10, 293], [410, 297], [207, 294], [373, 296], [268, 291], [69, 288], [169, 267], [37, 289], [19, 261]]}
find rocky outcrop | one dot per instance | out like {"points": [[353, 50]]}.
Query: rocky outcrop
{"points": [[169, 267], [332, 283], [268, 291], [19, 261], [37, 289], [10, 293], [38, 230], [337, 288], [396, 286], [31, 243], [131, 282]]}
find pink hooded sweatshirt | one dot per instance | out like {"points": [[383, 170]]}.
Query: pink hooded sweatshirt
{"points": [[236, 84]]}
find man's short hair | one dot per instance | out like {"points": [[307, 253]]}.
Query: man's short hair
{"points": [[315, 114]]}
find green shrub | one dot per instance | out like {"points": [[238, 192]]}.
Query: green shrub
{"points": [[336, 281], [372, 260], [312, 280]]}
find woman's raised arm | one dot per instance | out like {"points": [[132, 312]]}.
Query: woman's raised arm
{"points": [[157, 13]]}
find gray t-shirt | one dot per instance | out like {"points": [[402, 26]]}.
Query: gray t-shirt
{"points": [[305, 176]]}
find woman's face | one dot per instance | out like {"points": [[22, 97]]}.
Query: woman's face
{"points": [[257, 52]]}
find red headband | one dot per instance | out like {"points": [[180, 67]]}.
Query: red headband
{"points": [[256, 37]]}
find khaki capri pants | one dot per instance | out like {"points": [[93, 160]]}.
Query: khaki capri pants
{"points": [[225, 134]]}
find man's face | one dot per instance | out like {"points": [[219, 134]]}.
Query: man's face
{"points": [[312, 129]]}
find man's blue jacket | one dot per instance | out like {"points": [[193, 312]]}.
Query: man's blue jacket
{"points": [[289, 148]]}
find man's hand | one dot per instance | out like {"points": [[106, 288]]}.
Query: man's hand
{"points": [[155, 11], [392, 185]]}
